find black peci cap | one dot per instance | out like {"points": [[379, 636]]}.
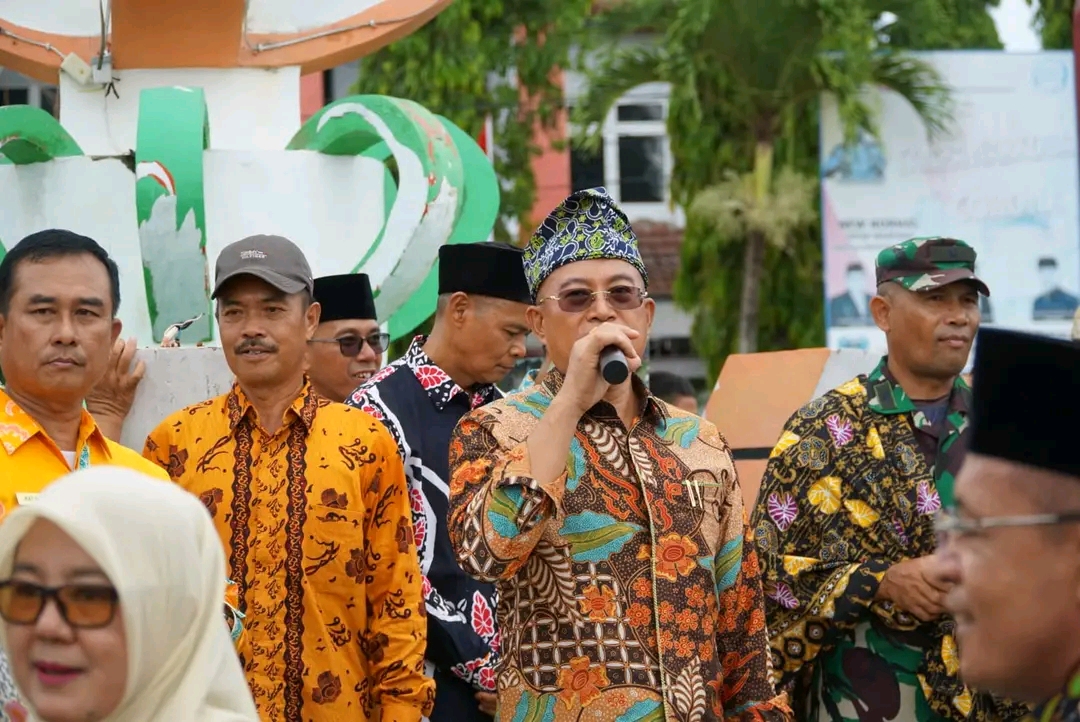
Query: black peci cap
{"points": [[484, 269]]}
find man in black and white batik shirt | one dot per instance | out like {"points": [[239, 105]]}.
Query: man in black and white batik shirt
{"points": [[478, 336]]}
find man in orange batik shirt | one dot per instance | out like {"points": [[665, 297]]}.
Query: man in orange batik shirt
{"points": [[310, 501]]}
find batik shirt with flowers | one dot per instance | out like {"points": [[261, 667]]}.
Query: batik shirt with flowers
{"points": [[851, 488], [420, 405], [628, 589]]}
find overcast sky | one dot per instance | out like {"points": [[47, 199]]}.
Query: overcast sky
{"points": [[1013, 19]]}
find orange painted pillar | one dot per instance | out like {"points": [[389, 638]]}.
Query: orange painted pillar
{"points": [[162, 34], [312, 95], [551, 169]]}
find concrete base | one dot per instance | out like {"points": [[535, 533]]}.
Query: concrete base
{"points": [[175, 378]]}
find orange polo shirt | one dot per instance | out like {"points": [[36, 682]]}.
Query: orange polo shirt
{"points": [[30, 460]]}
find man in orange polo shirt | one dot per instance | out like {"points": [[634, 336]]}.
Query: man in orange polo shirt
{"points": [[59, 293]]}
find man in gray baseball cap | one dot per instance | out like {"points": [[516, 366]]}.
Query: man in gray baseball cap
{"points": [[273, 259], [302, 491]]}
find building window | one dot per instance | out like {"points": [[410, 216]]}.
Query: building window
{"points": [[640, 112], [634, 162], [586, 168], [48, 101], [670, 348], [14, 96], [642, 174]]}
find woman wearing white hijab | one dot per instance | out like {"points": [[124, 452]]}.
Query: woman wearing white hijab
{"points": [[110, 591]]}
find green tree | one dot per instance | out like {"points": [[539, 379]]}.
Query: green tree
{"points": [[942, 25], [1054, 21], [481, 57], [745, 81]]}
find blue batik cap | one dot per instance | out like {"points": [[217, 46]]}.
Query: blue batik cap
{"points": [[584, 227]]}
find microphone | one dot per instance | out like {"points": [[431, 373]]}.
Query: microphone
{"points": [[613, 366]]}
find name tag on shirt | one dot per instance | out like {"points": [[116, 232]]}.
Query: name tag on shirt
{"points": [[23, 498]]}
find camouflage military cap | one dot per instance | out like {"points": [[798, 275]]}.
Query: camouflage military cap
{"points": [[922, 264]]}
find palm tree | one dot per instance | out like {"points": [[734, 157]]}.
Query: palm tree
{"points": [[742, 73]]}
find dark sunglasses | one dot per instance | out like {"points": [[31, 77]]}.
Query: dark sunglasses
{"points": [[350, 345], [86, 606], [620, 298]]}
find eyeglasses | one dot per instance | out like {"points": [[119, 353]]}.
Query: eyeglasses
{"points": [[351, 345], [87, 606], [948, 525], [620, 298]]}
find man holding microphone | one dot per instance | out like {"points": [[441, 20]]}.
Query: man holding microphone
{"points": [[611, 522]]}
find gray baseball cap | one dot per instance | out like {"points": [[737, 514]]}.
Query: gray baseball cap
{"points": [[274, 259]]}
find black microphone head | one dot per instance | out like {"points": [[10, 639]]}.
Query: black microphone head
{"points": [[613, 366]]}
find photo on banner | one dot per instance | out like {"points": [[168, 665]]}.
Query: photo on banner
{"points": [[1005, 181]]}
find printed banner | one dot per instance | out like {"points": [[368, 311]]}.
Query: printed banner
{"points": [[1006, 181]]}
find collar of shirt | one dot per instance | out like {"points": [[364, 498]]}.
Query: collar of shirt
{"points": [[17, 427], [303, 406], [1064, 707], [440, 388], [652, 410], [885, 396]]}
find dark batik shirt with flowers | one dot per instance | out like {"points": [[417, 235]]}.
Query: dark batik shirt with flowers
{"points": [[420, 405], [851, 488], [628, 589]]}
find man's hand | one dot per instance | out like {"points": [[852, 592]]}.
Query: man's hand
{"points": [[110, 400], [487, 702], [915, 586], [584, 386]]}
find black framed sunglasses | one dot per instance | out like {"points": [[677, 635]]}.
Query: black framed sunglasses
{"points": [[86, 606], [351, 345], [621, 298]]}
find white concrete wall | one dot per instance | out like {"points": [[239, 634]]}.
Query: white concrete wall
{"points": [[65, 17], [332, 206], [290, 16], [175, 378], [249, 109], [844, 365]]}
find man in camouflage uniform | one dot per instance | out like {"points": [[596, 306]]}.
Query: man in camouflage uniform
{"points": [[844, 519]]}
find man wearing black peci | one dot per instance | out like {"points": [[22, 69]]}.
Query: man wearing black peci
{"points": [[478, 336], [348, 345]]}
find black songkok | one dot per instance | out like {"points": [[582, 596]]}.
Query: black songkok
{"points": [[347, 296], [1026, 392], [484, 269]]}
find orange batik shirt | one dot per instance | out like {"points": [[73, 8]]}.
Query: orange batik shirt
{"points": [[317, 528]]}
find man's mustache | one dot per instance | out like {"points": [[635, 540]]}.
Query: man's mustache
{"points": [[255, 344]]}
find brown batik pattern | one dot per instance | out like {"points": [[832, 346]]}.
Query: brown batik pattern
{"points": [[241, 505], [294, 571]]}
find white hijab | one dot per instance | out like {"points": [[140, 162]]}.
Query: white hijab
{"points": [[158, 546]]}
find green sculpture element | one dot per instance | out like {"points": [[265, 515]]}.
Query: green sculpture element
{"points": [[173, 132], [474, 224], [30, 135], [430, 180], [445, 191]]}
